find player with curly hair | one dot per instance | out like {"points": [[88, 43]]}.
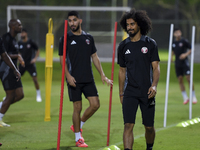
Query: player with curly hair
{"points": [[138, 58]]}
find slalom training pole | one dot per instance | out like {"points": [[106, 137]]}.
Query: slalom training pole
{"points": [[191, 71], [62, 85], [111, 87], [168, 74]]}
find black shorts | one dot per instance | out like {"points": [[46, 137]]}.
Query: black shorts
{"points": [[183, 70], [31, 68], [88, 89], [130, 106], [9, 80]]}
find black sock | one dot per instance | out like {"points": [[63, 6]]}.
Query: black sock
{"points": [[149, 146]]}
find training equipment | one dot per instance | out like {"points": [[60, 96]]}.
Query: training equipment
{"points": [[168, 73], [111, 87], [3, 124], [62, 84], [191, 71], [107, 148], [81, 143], [114, 147], [188, 122], [48, 69]]}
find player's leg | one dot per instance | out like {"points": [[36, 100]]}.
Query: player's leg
{"points": [[10, 96], [129, 108], [75, 97], [77, 107], [147, 107], [180, 74], [194, 99], [90, 92], [128, 138], [19, 94], [32, 71], [182, 88]]}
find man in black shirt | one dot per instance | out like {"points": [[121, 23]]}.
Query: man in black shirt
{"points": [[80, 50], [30, 52], [180, 48], [138, 57], [12, 87], [8, 61]]}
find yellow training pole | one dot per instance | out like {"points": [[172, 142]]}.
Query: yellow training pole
{"points": [[48, 69], [125, 35]]}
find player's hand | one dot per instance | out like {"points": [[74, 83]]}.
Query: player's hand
{"points": [[33, 61], [152, 92], [105, 79], [21, 60], [182, 56], [71, 80], [17, 74]]}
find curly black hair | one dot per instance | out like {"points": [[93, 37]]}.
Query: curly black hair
{"points": [[139, 16]]}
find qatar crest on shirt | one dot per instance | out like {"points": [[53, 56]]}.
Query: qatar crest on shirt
{"points": [[144, 50], [87, 41], [28, 45]]}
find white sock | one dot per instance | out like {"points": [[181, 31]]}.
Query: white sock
{"points": [[1, 116], [38, 92], [184, 95], [77, 136], [82, 123], [1, 103], [193, 94]]}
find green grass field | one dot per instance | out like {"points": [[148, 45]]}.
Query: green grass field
{"points": [[29, 130]]}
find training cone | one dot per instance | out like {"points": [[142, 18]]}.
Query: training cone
{"points": [[114, 147], [107, 148]]}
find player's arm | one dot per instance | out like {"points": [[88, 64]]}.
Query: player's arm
{"points": [[98, 66], [19, 57], [121, 80], [70, 79], [156, 74], [9, 62], [184, 55], [37, 53]]}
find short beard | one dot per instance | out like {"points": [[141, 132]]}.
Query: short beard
{"points": [[133, 34], [78, 27]]}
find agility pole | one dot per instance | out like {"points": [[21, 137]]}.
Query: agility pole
{"points": [[62, 84], [111, 87], [191, 71], [168, 73]]}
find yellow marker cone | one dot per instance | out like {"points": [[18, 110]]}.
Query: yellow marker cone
{"points": [[114, 147]]}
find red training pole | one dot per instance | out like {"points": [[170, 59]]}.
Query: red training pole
{"points": [[111, 87], [62, 85]]}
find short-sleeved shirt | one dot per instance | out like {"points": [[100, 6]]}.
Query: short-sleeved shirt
{"points": [[2, 48], [27, 50], [137, 58], [78, 55], [180, 47], [11, 45]]}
